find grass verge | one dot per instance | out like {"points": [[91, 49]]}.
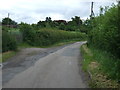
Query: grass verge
{"points": [[65, 42], [94, 63], [6, 55], [25, 45]]}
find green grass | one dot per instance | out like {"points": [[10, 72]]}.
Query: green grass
{"points": [[14, 30], [87, 57], [109, 64], [101, 66], [25, 45], [7, 55], [65, 42], [0, 58]]}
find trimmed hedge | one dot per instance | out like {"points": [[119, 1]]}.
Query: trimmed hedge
{"points": [[45, 37], [49, 37]]}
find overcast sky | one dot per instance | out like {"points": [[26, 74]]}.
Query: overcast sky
{"points": [[31, 11]]}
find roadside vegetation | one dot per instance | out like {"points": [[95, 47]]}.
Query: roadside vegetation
{"points": [[102, 52], [46, 33], [99, 65], [7, 55], [48, 37]]}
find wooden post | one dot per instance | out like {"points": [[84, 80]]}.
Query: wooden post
{"points": [[92, 13], [8, 19]]}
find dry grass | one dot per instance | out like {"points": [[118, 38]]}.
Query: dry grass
{"points": [[93, 65], [102, 81], [99, 79]]}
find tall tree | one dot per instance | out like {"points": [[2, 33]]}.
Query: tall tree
{"points": [[48, 19], [8, 21]]}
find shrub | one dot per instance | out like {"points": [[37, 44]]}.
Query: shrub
{"points": [[9, 43], [27, 32], [105, 33], [105, 36], [49, 37]]}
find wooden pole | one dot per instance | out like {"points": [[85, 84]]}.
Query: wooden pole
{"points": [[92, 13], [8, 19]]}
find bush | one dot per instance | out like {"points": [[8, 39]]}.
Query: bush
{"points": [[105, 36], [9, 43], [28, 33], [49, 37], [105, 33], [5, 28]]}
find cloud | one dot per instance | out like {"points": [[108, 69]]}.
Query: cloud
{"points": [[31, 11]]}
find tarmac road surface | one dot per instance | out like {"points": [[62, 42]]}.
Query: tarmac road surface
{"points": [[59, 69]]}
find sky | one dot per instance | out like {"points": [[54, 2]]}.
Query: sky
{"points": [[32, 11]]}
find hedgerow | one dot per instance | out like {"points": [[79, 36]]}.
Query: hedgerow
{"points": [[104, 35]]}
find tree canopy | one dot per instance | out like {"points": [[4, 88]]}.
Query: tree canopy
{"points": [[8, 21]]}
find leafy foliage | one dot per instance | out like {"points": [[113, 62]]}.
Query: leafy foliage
{"points": [[8, 21], [9, 43], [47, 37], [104, 34], [28, 32], [73, 25]]}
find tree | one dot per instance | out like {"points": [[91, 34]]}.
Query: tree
{"points": [[35, 27], [28, 33], [8, 21], [48, 19], [41, 24], [77, 20], [74, 25], [101, 10], [9, 42], [49, 22], [62, 26]]}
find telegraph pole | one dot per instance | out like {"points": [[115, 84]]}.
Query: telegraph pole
{"points": [[118, 14], [8, 19], [92, 13]]}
